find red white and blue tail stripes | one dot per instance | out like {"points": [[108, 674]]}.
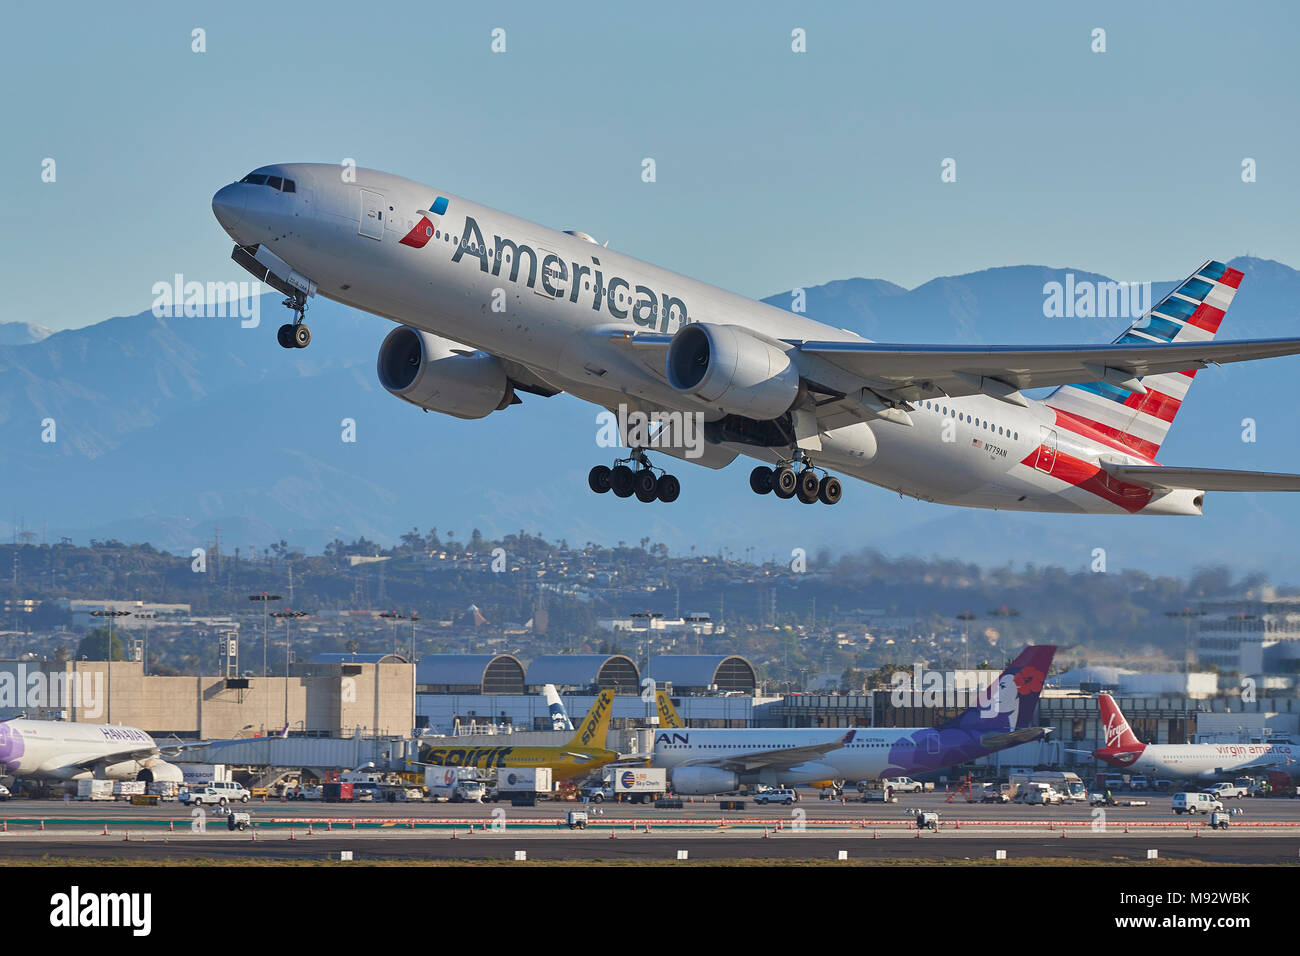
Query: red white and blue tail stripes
{"points": [[1139, 423]]}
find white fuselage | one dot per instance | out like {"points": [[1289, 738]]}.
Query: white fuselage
{"points": [[61, 750], [975, 451], [1210, 761]]}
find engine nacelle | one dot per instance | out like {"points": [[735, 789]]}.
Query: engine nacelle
{"points": [[701, 781], [157, 770], [732, 370], [441, 375]]}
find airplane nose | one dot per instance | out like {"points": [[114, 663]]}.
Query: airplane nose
{"points": [[228, 206]]}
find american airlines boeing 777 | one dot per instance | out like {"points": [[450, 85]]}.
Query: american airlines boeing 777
{"points": [[490, 306]]}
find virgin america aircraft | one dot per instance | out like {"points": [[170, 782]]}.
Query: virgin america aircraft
{"points": [[489, 306]]}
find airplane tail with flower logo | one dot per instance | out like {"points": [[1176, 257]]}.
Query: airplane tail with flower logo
{"points": [[1006, 708]]}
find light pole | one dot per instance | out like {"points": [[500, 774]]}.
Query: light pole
{"points": [[265, 598], [287, 615], [1187, 615], [965, 617], [147, 616], [110, 614]]}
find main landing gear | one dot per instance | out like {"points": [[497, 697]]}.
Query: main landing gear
{"points": [[295, 335], [785, 482], [642, 482]]}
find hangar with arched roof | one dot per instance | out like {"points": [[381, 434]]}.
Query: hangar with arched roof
{"points": [[703, 674], [469, 674], [584, 673]]}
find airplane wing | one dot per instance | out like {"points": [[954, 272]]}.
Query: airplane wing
{"points": [[893, 374], [773, 759], [137, 753], [1202, 479], [1005, 369]]}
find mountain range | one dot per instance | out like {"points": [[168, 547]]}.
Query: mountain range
{"points": [[164, 429]]}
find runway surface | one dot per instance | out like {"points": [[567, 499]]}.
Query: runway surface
{"points": [[1264, 831]]}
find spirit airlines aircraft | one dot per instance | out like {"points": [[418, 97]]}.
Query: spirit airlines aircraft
{"points": [[581, 755], [1186, 761], [489, 306], [61, 750], [720, 761]]}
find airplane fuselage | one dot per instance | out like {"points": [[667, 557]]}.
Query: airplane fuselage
{"points": [[553, 302], [1204, 761], [59, 750]]}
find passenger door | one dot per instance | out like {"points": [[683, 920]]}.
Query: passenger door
{"points": [[372, 215]]}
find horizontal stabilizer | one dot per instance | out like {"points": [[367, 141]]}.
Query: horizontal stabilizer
{"points": [[1202, 479]]}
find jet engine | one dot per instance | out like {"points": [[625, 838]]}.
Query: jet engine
{"points": [[733, 370], [440, 375], [159, 771], [700, 781]]}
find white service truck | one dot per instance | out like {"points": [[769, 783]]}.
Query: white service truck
{"points": [[523, 785], [628, 785], [453, 784]]}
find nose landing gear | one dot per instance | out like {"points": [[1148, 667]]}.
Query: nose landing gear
{"points": [[641, 482], [294, 335], [785, 482]]}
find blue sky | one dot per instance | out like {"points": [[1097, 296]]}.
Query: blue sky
{"points": [[774, 169]]}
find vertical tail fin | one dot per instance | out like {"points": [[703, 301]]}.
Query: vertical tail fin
{"points": [[667, 712], [1115, 729], [1139, 418], [595, 726], [1009, 702], [555, 707]]}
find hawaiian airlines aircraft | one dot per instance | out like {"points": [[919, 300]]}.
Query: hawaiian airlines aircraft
{"points": [[62, 750], [490, 306], [1187, 761], [720, 761]]}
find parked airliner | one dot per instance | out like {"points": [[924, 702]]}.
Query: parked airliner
{"points": [[490, 306], [63, 750], [1123, 750], [720, 761]]}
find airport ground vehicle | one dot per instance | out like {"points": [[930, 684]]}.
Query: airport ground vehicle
{"points": [[305, 793], [454, 784], [4, 792], [1219, 819], [876, 793], [1185, 802], [776, 795], [1227, 791], [1066, 783], [628, 785], [903, 785], [218, 793], [576, 819], [522, 785], [238, 821], [1042, 795], [991, 793]]}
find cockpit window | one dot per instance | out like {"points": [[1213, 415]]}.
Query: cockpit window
{"points": [[275, 182]]}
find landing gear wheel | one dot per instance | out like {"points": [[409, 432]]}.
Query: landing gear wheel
{"points": [[301, 336], [807, 486], [599, 479], [829, 491], [620, 480], [668, 488], [760, 480], [284, 335], [645, 485], [784, 482]]}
